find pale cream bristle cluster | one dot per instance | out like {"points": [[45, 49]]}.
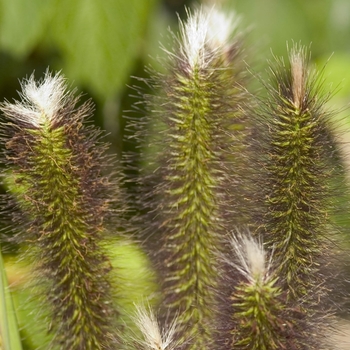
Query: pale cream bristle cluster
{"points": [[193, 34], [154, 338], [251, 257], [206, 32], [40, 100]]}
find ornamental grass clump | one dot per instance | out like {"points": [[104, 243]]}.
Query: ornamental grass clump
{"points": [[235, 207]]}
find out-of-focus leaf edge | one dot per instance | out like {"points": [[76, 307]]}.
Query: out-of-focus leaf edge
{"points": [[9, 333]]}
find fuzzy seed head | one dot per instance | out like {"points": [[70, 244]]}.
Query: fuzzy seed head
{"points": [[154, 339], [206, 32], [40, 100], [298, 72]]}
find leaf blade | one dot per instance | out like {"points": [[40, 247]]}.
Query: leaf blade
{"points": [[9, 333]]}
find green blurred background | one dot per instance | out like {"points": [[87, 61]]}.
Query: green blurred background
{"points": [[99, 44]]}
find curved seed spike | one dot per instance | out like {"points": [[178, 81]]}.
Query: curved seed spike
{"points": [[58, 161]]}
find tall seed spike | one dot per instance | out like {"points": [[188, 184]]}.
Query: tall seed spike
{"points": [[295, 174], [297, 187], [58, 162], [202, 128]]}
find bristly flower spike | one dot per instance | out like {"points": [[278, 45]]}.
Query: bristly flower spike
{"points": [[295, 171], [64, 202], [295, 140], [253, 315], [196, 194]]}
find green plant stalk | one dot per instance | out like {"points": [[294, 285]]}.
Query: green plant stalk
{"points": [[201, 122], [63, 207], [10, 338]]}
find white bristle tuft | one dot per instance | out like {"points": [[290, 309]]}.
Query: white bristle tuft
{"points": [[40, 100], [220, 28], [251, 257], [154, 338], [206, 32]]}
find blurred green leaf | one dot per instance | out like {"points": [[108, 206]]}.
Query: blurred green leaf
{"points": [[9, 333], [22, 24], [100, 39], [273, 23]]}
